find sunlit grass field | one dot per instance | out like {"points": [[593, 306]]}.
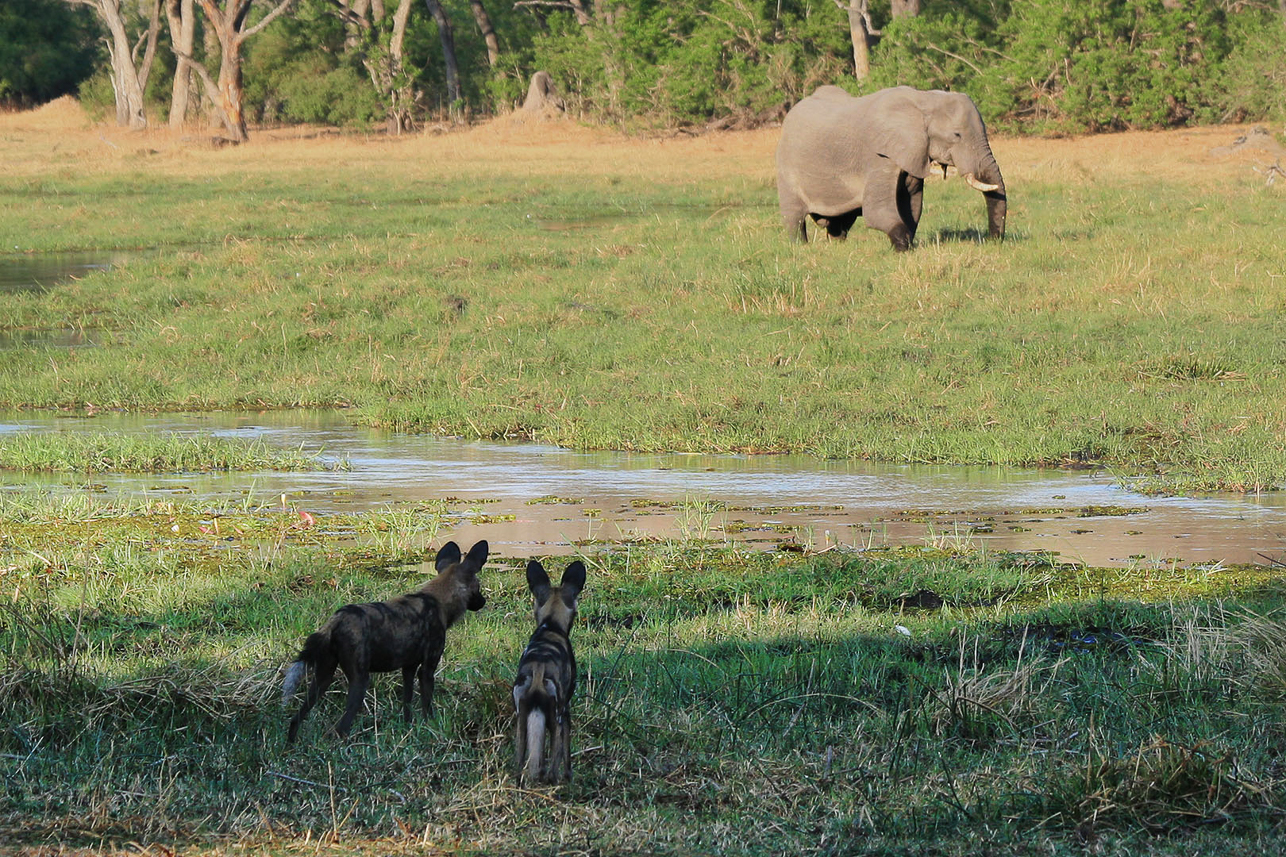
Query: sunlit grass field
{"points": [[913, 700], [568, 285]]}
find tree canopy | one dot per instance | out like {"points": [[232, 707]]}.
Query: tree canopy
{"points": [[47, 49], [1038, 66]]}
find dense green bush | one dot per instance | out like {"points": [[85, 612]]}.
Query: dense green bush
{"points": [[1037, 66], [299, 71], [1040, 66], [1252, 85], [1090, 66], [46, 49], [713, 59]]}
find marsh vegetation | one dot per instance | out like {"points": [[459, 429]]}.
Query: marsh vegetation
{"points": [[732, 702]]}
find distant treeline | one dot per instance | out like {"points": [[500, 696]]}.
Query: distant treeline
{"points": [[1037, 66]]}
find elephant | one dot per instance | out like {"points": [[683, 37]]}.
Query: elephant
{"points": [[840, 157]]}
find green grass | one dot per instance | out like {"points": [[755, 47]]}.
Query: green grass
{"points": [[730, 702], [640, 295], [160, 452], [1128, 320]]}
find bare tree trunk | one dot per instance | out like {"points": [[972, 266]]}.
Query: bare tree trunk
{"points": [[229, 25], [398, 87], [860, 31], [355, 15], [448, 49], [182, 16], [906, 8], [209, 102], [129, 78], [153, 30], [488, 32]]}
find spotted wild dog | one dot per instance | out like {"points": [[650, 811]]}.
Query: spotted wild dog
{"points": [[547, 676], [407, 633]]}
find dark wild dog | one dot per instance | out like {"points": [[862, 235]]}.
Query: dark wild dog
{"points": [[407, 633], [547, 675]]}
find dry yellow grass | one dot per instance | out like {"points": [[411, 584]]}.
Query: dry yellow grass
{"points": [[60, 135]]}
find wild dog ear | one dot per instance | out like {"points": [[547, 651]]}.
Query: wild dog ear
{"points": [[448, 556], [537, 580], [477, 557], [573, 583]]}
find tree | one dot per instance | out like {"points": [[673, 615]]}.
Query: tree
{"points": [[905, 8], [47, 49], [862, 32], [230, 23], [489, 34], [182, 19], [385, 65], [129, 74], [577, 8], [448, 49]]}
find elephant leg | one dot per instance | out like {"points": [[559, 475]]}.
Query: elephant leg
{"points": [[794, 213], [910, 198], [882, 208]]}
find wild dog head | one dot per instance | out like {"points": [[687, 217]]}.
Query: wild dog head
{"points": [[456, 587], [556, 605]]}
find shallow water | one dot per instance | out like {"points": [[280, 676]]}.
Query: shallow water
{"points": [[40, 271], [69, 337], [558, 498]]}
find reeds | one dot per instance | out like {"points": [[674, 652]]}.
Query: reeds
{"points": [[160, 452]]}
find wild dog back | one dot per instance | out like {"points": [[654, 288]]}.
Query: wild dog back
{"points": [[407, 633], [547, 675]]}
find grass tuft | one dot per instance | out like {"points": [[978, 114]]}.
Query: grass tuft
{"points": [[164, 452]]}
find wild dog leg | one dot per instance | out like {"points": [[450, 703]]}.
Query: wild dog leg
{"points": [[408, 689], [356, 696], [323, 675], [429, 666]]}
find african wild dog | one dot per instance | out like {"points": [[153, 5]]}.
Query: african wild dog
{"points": [[407, 633], [547, 675]]}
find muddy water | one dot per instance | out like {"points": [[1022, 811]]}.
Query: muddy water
{"points": [[532, 499]]}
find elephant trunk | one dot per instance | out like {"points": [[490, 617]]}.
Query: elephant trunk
{"points": [[993, 189]]}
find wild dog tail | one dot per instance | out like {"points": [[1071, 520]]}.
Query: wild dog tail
{"points": [[313, 647], [542, 696], [535, 744]]}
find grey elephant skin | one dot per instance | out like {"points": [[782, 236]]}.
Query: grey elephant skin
{"points": [[842, 157]]}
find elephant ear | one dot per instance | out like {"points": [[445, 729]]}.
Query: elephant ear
{"points": [[902, 134]]}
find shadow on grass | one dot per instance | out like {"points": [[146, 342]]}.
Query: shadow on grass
{"points": [[1070, 720]]}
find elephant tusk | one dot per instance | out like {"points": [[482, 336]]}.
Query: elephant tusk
{"points": [[980, 185]]}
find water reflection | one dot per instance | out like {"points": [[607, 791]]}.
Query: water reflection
{"points": [[39, 271], [64, 338], [543, 500]]}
